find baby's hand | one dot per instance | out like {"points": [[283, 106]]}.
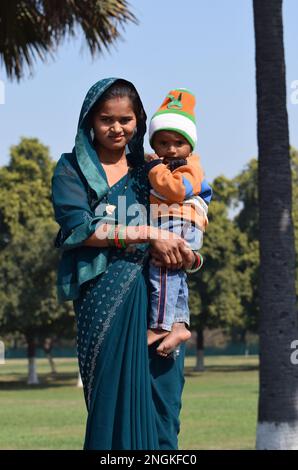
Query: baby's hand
{"points": [[151, 156]]}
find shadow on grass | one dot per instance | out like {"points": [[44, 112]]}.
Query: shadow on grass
{"points": [[46, 381], [18, 381], [191, 372]]}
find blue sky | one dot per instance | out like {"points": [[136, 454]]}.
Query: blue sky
{"points": [[204, 45]]}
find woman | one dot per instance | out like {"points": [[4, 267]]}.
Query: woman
{"points": [[133, 396]]}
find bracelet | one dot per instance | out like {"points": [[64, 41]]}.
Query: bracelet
{"points": [[119, 241], [116, 237], [197, 264]]}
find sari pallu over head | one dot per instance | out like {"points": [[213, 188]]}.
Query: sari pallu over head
{"points": [[78, 185]]}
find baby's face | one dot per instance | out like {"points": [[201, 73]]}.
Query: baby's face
{"points": [[170, 145]]}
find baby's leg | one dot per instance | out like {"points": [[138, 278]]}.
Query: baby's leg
{"points": [[156, 334], [163, 299], [179, 334], [165, 285]]}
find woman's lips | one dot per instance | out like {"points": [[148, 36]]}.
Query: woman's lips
{"points": [[117, 138]]}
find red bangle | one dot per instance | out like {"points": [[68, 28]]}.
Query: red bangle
{"points": [[197, 264], [116, 238], [199, 259]]}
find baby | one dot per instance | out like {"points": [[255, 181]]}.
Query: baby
{"points": [[178, 201]]}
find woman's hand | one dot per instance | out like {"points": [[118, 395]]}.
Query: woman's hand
{"points": [[171, 251], [188, 259]]}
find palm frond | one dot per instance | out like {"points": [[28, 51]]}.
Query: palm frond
{"points": [[31, 29]]}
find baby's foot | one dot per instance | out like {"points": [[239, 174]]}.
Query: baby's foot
{"points": [[155, 335], [179, 334]]}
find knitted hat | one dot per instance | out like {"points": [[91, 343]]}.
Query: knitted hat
{"points": [[176, 114]]}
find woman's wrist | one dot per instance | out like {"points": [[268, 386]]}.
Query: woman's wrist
{"points": [[117, 236], [198, 263]]}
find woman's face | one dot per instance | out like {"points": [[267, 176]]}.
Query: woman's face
{"points": [[114, 123]]}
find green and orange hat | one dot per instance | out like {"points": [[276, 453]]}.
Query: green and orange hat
{"points": [[176, 114]]}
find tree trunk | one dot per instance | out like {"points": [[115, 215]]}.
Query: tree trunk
{"points": [[278, 396], [200, 350], [47, 347], [52, 364], [32, 374]]}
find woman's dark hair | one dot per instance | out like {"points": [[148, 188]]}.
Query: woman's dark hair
{"points": [[121, 89]]}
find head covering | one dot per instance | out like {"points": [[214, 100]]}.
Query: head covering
{"points": [[176, 113]]}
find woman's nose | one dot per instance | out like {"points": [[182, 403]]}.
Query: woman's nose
{"points": [[116, 127]]}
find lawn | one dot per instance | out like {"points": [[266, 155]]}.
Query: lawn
{"points": [[219, 406]]}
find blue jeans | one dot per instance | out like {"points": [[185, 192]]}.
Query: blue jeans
{"points": [[169, 290]]}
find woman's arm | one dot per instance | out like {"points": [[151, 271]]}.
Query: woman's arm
{"points": [[169, 249], [131, 235]]}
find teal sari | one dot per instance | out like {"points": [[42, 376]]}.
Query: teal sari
{"points": [[133, 396]]}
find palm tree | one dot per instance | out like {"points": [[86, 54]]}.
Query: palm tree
{"points": [[33, 29], [278, 398]]}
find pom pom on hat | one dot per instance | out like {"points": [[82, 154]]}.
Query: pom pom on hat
{"points": [[176, 114]]}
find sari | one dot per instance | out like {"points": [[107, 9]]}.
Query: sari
{"points": [[132, 395]]}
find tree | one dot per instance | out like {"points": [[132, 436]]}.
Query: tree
{"points": [[34, 29], [278, 395], [28, 259]]}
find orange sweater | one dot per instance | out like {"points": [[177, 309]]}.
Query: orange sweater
{"points": [[176, 193]]}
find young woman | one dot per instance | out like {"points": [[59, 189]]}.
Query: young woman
{"points": [[133, 396]]}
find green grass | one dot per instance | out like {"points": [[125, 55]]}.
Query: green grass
{"points": [[219, 406]]}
